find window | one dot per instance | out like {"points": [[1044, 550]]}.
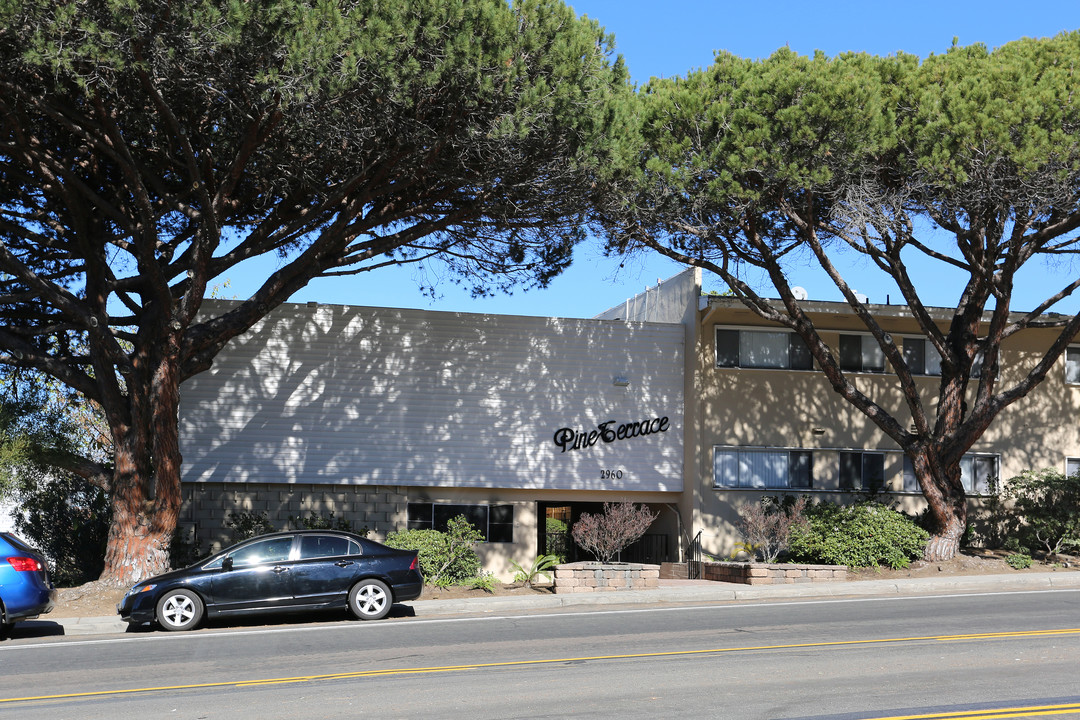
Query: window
{"points": [[762, 468], [317, 546], [1072, 365], [861, 353], [761, 349], [922, 357], [862, 471], [264, 551], [495, 522], [1072, 466], [976, 474]]}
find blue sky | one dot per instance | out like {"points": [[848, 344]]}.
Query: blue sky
{"points": [[667, 39]]}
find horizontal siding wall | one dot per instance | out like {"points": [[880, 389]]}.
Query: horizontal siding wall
{"points": [[373, 396]]}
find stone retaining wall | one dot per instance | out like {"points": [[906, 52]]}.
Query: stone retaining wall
{"points": [[597, 577], [768, 574]]}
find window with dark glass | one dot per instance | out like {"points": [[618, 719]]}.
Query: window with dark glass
{"points": [[861, 353], [495, 522], [862, 471], [316, 546], [921, 356], [761, 349]]}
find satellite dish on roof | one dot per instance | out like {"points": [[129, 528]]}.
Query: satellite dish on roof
{"points": [[799, 293]]}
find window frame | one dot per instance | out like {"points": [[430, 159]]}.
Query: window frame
{"points": [[797, 356], [844, 356], [796, 460], [1072, 350], [864, 478], [972, 487], [927, 347], [502, 529]]}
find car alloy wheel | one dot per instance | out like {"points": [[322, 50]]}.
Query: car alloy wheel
{"points": [[179, 610], [370, 599]]}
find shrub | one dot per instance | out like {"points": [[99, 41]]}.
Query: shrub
{"points": [[1045, 510], [864, 535], [483, 581], [246, 525], [767, 526], [68, 520], [540, 566], [605, 534], [1019, 561], [446, 558]]}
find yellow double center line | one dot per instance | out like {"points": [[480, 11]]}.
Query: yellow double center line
{"points": [[553, 661], [991, 714]]}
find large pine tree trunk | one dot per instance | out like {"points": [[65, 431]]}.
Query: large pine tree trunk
{"points": [[947, 504], [146, 486]]}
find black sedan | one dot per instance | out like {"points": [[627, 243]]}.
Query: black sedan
{"points": [[286, 571]]}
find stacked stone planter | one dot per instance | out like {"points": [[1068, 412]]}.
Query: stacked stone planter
{"points": [[771, 574], [584, 577]]}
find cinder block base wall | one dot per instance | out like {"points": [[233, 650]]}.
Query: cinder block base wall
{"points": [[597, 577], [207, 507], [768, 574]]}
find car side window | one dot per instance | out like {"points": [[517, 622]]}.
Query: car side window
{"points": [[317, 546], [271, 550]]}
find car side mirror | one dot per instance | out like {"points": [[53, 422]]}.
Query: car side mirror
{"points": [[226, 564]]}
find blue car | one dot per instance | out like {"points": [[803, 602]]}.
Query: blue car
{"points": [[280, 572], [26, 590]]}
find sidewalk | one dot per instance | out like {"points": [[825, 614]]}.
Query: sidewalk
{"points": [[681, 591]]}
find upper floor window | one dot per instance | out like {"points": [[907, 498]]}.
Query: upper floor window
{"points": [[861, 353], [1072, 365], [737, 468], [761, 349], [862, 471], [495, 522], [1072, 466], [976, 473], [921, 356]]}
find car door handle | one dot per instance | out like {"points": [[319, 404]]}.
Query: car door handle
{"points": [[279, 569], [343, 563]]}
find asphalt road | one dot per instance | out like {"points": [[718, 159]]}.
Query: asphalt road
{"points": [[868, 658]]}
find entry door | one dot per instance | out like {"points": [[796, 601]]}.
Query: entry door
{"points": [[554, 531]]}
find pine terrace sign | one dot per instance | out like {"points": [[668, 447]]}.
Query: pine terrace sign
{"points": [[571, 439]]}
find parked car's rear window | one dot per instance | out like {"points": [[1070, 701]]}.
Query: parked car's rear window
{"points": [[316, 546]]}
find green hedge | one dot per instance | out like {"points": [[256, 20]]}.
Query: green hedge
{"points": [[864, 535], [446, 558]]}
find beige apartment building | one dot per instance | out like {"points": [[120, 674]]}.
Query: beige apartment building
{"points": [[688, 403], [768, 422]]}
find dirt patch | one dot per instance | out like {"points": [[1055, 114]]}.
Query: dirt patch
{"points": [[95, 599], [966, 562]]}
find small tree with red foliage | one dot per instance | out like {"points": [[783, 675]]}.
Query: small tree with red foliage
{"points": [[605, 534]]}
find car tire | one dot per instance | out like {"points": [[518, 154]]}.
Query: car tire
{"points": [[370, 599], [179, 610], [5, 630]]}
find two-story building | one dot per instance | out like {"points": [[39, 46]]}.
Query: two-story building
{"points": [[691, 404]]}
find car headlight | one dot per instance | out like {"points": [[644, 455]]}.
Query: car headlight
{"points": [[139, 589]]}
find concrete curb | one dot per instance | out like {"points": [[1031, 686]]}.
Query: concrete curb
{"points": [[686, 593]]}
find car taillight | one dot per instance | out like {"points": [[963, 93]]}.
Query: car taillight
{"points": [[413, 565], [24, 564]]}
